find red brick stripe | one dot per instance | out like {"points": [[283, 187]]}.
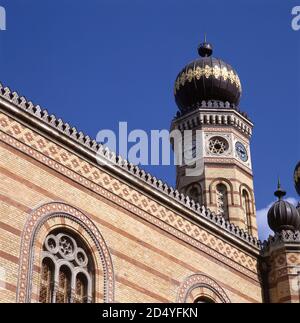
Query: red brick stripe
{"points": [[160, 252], [9, 228], [8, 286], [108, 225], [141, 289], [14, 203], [144, 267]]}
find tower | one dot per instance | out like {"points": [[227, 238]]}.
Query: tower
{"points": [[281, 253], [216, 168]]}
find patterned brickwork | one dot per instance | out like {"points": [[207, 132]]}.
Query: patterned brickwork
{"points": [[149, 264], [111, 188], [153, 247], [282, 253]]}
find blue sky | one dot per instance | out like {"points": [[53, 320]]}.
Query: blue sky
{"points": [[97, 62]]}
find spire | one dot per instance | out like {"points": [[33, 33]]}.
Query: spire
{"points": [[280, 193]]}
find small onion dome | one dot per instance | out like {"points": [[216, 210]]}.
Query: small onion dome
{"points": [[283, 215], [297, 178], [205, 79]]}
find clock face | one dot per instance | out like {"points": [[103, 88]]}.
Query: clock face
{"points": [[241, 151]]}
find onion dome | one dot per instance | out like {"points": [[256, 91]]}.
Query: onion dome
{"points": [[206, 78], [297, 178], [283, 215]]}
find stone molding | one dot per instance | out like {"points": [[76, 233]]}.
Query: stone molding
{"points": [[199, 280], [213, 117], [285, 237], [34, 223]]}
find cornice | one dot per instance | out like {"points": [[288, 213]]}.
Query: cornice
{"points": [[286, 238], [55, 129], [213, 116], [213, 105]]}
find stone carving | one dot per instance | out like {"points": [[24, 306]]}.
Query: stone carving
{"points": [[65, 247], [62, 250]]}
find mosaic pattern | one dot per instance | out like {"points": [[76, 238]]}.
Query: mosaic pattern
{"points": [[132, 200]]}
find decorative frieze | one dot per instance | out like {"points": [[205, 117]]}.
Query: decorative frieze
{"points": [[85, 141], [285, 236], [220, 117]]}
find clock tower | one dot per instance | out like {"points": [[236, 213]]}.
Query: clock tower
{"points": [[216, 169]]}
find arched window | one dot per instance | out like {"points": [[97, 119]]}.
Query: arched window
{"points": [[67, 270], [81, 292], [47, 279], [246, 207], [63, 294], [203, 300], [194, 191], [222, 200], [199, 288]]}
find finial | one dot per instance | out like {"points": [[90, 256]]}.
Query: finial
{"points": [[280, 193], [205, 49]]}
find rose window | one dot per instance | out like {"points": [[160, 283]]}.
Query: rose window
{"points": [[218, 145]]}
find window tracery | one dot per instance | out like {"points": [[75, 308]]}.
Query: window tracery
{"points": [[218, 145], [66, 271], [222, 200]]}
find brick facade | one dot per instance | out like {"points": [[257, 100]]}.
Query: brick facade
{"points": [[146, 246]]}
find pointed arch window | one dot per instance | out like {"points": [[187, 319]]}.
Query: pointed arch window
{"points": [[67, 270], [222, 200]]}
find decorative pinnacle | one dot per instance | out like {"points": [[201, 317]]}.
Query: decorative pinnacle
{"points": [[205, 49], [280, 193]]}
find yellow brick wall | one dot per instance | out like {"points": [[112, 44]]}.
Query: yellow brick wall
{"points": [[149, 263], [284, 276], [239, 180]]}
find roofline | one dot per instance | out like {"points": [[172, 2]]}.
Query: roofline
{"points": [[56, 130]]}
